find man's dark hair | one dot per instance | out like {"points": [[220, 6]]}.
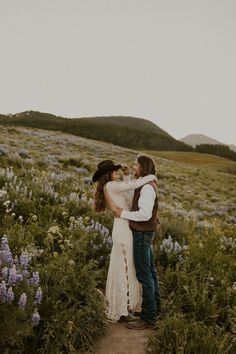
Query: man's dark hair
{"points": [[147, 165]]}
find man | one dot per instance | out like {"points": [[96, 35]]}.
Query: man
{"points": [[143, 222]]}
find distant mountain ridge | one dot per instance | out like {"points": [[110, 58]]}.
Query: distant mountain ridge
{"points": [[197, 139], [131, 132]]}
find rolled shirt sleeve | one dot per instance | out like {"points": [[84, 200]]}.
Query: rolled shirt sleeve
{"points": [[145, 203]]}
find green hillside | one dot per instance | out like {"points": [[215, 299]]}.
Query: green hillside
{"points": [[128, 132], [129, 122]]}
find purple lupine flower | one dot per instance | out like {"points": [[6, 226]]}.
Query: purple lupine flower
{"points": [[5, 271], [177, 247], [104, 232], [25, 259], [169, 246], [5, 252], [22, 301], [38, 296], [109, 240], [35, 279], [4, 242], [12, 275], [3, 292], [10, 295], [25, 273], [35, 318], [96, 226], [19, 277]]}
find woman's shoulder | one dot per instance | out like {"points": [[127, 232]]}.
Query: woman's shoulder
{"points": [[111, 185], [108, 185]]}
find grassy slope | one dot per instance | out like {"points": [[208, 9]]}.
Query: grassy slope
{"points": [[178, 171], [187, 182]]}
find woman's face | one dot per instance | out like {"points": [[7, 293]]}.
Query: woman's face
{"points": [[115, 175]]}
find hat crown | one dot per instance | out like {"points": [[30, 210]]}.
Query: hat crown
{"points": [[105, 163], [104, 167]]}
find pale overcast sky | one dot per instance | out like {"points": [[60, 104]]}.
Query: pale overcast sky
{"points": [[170, 61]]}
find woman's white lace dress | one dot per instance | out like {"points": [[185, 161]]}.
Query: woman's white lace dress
{"points": [[122, 287]]}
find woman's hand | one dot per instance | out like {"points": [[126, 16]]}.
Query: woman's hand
{"points": [[125, 169], [117, 212], [154, 178]]}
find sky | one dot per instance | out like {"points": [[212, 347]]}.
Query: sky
{"points": [[170, 61]]}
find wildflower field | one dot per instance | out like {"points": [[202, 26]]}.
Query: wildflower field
{"points": [[54, 250]]}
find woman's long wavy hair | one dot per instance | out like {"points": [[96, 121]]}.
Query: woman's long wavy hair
{"points": [[99, 197]]}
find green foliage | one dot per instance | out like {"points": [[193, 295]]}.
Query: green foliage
{"points": [[19, 296], [217, 149], [178, 335], [198, 297], [73, 310]]}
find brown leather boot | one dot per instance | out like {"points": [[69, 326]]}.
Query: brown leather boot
{"points": [[141, 324]]}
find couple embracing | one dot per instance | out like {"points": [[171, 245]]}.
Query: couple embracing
{"points": [[134, 203]]}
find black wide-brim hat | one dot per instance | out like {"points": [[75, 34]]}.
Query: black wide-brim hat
{"points": [[103, 167]]}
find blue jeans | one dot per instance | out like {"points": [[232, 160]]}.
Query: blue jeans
{"points": [[146, 274]]}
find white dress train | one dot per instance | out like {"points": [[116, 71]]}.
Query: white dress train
{"points": [[123, 291]]}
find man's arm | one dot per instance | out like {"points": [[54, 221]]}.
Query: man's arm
{"points": [[145, 203]]}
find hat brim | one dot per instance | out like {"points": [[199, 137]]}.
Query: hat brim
{"points": [[103, 170]]}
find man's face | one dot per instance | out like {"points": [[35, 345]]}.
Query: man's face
{"points": [[137, 169]]}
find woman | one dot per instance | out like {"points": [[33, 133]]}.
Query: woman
{"points": [[122, 287]]}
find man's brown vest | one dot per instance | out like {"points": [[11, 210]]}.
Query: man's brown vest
{"points": [[152, 223]]}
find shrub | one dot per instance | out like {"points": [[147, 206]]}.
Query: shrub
{"points": [[20, 294], [178, 335]]}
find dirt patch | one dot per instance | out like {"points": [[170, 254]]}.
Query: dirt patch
{"points": [[122, 340]]}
